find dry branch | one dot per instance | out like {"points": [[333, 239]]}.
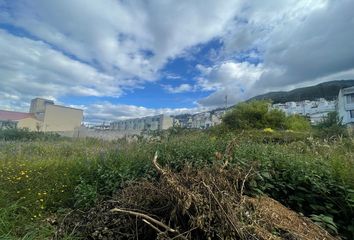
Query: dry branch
{"points": [[146, 217]]}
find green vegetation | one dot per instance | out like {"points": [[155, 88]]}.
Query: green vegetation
{"points": [[14, 134], [255, 115], [297, 123], [331, 126], [41, 181]]}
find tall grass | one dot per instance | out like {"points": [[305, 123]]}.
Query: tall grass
{"points": [[41, 179]]}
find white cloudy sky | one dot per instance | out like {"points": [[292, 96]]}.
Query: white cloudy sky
{"points": [[120, 59]]}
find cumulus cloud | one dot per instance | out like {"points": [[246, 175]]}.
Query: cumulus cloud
{"points": [[35, 69], [185, 87], [136, 37], [299, 43], [103, 47], [232, 79], [311, 48], [99, 48]]}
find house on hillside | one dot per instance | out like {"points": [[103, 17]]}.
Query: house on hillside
{"points": [[314, 110]]}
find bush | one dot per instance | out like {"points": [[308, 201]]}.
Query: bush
{"points": [[331, 126], [297, 123], [85, 195], [254, 115], [16, 134]]}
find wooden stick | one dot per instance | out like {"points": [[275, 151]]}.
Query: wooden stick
{"points": [[146, 217], [244, 180], [152, 226], [157, 166]]}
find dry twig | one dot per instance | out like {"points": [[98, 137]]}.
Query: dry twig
{"points": [[146, 217]]}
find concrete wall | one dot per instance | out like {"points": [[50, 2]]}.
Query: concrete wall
{"points": [[83, 132], [166, 122], [61, 119]]}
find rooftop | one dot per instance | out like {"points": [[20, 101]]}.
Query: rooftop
{"points": [[348, 90], [13, 116]]}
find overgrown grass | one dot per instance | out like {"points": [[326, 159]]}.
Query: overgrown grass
{"points": [[41, 179]]}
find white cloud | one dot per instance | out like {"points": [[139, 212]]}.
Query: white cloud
{"points": [[35, 69], [300, 43], [120, 34], [311, 48], [99, 48], [232, 79], [103, 47], [179, 89]]}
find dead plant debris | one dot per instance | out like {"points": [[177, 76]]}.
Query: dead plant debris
{"points": [[193, 204]]}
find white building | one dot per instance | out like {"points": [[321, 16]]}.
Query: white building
{"points": [[205, 120], [159, 122], [345, 105]]}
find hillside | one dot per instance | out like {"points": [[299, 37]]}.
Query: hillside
{"points": [[327, 90]]}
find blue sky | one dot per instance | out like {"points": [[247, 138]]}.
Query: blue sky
{"points": [[124, 59]]}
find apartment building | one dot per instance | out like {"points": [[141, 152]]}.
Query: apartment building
{"points": [[158, 122], [345, 105]]}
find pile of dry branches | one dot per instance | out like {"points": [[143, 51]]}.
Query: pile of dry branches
{"points": [[193, 204]]}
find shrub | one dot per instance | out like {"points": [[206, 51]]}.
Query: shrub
{"points": [[85, 194], [331, 126], [297, 123], [19, 134], [254, 115]]}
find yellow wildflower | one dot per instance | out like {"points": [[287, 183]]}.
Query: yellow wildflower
{"points": [[269, 130]]}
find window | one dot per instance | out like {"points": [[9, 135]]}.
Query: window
{"points": [[351, 113], [350, 98]]}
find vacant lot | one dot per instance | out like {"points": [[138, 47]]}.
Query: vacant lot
{"points": [[42, 181]]}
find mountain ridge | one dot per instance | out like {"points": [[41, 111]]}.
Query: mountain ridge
{"points": [[327, 90]]}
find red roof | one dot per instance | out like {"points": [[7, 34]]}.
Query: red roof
{"points": [[13, 116]]}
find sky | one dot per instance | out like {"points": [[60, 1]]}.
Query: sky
{"points": [[120, 59]]}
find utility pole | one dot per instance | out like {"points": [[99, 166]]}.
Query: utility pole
{"points": [[225, 101]]}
